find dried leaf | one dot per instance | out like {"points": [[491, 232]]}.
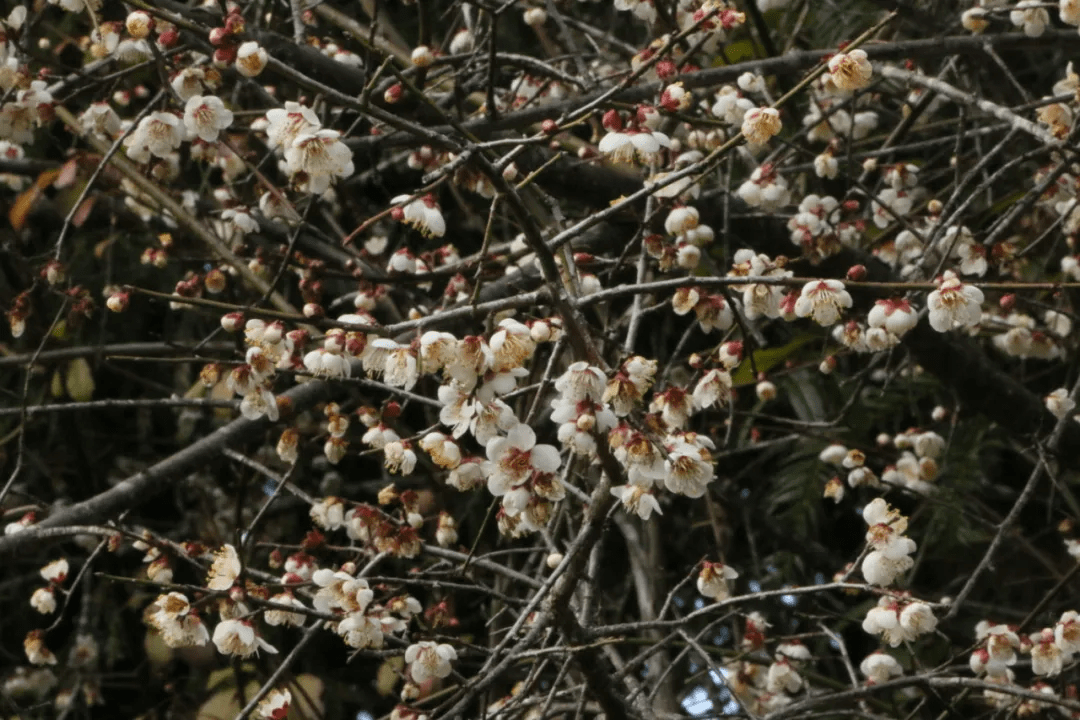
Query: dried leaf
{"points": [[101, 247], [26, 200]]}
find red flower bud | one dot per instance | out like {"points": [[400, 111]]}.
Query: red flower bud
{"points": [[856, 272]]}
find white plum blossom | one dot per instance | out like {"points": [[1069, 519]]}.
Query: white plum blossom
{"points": [[1047, 658], [37, 652], [880, 667], [895, 315], [276, 617], [889, 204], [580, 382], [205, 116], [324, 363], [623, 147], [100, 119], [730, 106], [714, 388], [399, 457], [823, 300], [1059, 403], [851, 70], [954, 304], [443, 450], [158, 134], [638, 140], [422, 213], [511, 345], [285, 124], [638, 500], [275, 706], [321, 157], [238, 637], [891, 551], [251, 59], [759, 300], [429, 660], [1031, 16], [1067, 632], [515, 457], [259, 402], [328, 513], [56, 571], [44, 600], [765, 189], [177, 621], [712, 580], [760, 124], [782, 678], [688, 467]]}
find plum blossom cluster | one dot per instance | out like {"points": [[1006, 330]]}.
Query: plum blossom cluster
{"points": [[674, 458], [246, 611], [916, 468], [44, 598], [890, 550], [314, 156], [767, 682], [898, 619]]}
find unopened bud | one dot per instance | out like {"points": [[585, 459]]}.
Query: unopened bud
{"points": [[313, 310], [422, 56], [540, 331], [231, 322], [210, 374], [549, 127], [118, 302], [535, 17], [856, 272], [139, 24], [215, 281], [766, 391], [1007, 302], [393, 94]]}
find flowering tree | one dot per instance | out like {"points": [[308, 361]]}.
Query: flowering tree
{"points": [[645, 359]]}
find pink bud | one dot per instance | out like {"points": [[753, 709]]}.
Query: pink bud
{"points": [[856, 272], [393, 94], [612, 121], [231, 322]]}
